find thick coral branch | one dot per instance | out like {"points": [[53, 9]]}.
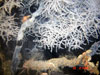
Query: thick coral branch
{"points": [[55, 63]]}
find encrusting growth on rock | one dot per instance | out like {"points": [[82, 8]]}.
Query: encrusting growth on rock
{"points": [[54, 63]]}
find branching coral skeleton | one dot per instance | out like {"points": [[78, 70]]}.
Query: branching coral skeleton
{"points": [[60, 24], [67, 23]]}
